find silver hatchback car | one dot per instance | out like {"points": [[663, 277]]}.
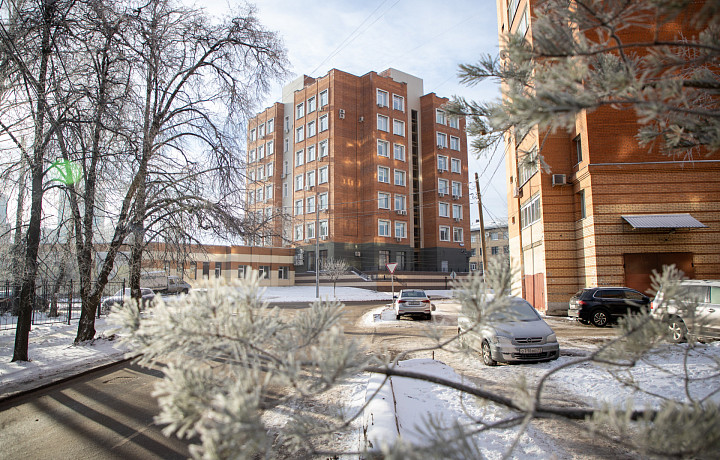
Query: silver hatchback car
{"points": [[517, 334], [695, 312]]}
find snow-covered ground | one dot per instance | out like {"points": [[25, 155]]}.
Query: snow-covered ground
{"points": [[54, 356]]}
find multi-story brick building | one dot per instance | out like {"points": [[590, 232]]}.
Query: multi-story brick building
{"points": [[496, 244], [370, 165], [610, 211]]}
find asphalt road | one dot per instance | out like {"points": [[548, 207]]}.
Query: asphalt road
{"points": [[109, 413]]}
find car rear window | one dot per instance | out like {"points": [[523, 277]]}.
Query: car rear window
{"points": [[413, 294], [633, 295], [609, 294], [715, 295]]}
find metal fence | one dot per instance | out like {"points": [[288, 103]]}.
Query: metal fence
{"points": [[53, 303]]}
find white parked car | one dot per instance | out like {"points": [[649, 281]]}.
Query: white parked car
{"points": [[515, 334], [696, 311], [413, 302]]}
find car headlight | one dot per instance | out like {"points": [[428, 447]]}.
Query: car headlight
{"points": [[501, 339], [551, 338]]}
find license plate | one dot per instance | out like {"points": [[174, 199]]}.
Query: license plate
{"points": [[524, 351]]}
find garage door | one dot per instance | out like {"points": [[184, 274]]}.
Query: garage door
{"points": [[639, 267]]}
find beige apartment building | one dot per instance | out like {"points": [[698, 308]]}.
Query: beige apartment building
{"points": [[610, 211], [497, 244], [367, 168]]}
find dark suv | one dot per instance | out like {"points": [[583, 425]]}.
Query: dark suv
{"points": [[600, 305]]}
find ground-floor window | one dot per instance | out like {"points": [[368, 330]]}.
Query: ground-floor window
{"points": [[473, 266], [311, 261], [400, 260], [383, 258], [264, 271], [206, 269], [283, 272]]}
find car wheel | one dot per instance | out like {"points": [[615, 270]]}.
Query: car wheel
{"points": [[397, 317], [487, 354], [600, 317], [428, 316], [677, 330]]}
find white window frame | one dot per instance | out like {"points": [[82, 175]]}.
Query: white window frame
{"points": [[323, 201], [398, 127], [398, 102], [383, 123], [442, 163], [270, 148], [252, 156], [299, 110], [441, 139], [310, 179], [383, 200], [270, 126], [455, 165], [310, 205], [324, 98], [383, 227], [324, 123], [399, 173], [270, 169], [443, 186], [299, 207], [443, 209], [299, 182], [383, 172], [457, 211], [310, 153], [299, 232], [446, 230], [299, 157], [458, 236], [261, 130], [300, 133], [268, 192], [324, 229], [311, 104], [403, 229], [400, 202], [310, 230], [399, 148], [440, 117], [286, 190], [383, 148], [261, 152], [323, 175], [453, 122], [311, 128], [456, 187], [382, 98], [253, 135], [323, 148], [455, 143]]}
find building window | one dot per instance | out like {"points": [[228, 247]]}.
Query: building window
{"points": [[261, 152], [444, 233], [441, 140], [400, 202], [323, 175], [287, 145], [473, 266], [440, 117], [264, 272], [311, 129], [270, 148], [298, 207], [530, 212], [400, 229], [311, 105], [383, 258], [443, 209], [382, 98], [494, 236], [259, 193], [528, 166], [251, 156], [512, 9], [299, 232], [310, 178], [523, 24], [285, 190], [299, 157], [261, 131], [383, 200], [323, 201], [241, 271], [311, 153], [400, 260], [253, 135], [310, 204], [454, 143], [283, 273], [578, 149], [442, 163], [323, 146], [324, 123], [400, 177], [399, 151], [300, 134], [457, 211], [383, 174], [455, 165], [399, 127], [324, 100], [271, 126], [443, 188], [299, 110], [494, 250], [383, 123], [383, 148], [323, 230], [453, 122], [583, 211], [299, 182], [456, 189], [268, 192], [383, 227], [398, 103], [473, 239], [310, 230], [506, 249], [458, 234]]}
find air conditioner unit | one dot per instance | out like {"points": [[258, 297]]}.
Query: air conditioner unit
{"points": [[456, 197], [440, 146], [442, 193], [458, 219], [381, 105], [398, 239], [518, 193], [324, 237], [361, 119], [357, 253], [341, 114], [462, 244], [559, 179], [401, 212]]}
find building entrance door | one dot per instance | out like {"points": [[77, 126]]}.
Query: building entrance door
{"points": [[639, 267]]}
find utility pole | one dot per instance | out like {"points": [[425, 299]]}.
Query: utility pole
{"points": [[482, 225], [317, 246]]}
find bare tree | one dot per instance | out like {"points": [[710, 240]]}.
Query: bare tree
{"points": [[333, 269]]}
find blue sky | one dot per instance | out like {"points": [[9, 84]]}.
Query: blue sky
{"points": [[425, 38]]}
